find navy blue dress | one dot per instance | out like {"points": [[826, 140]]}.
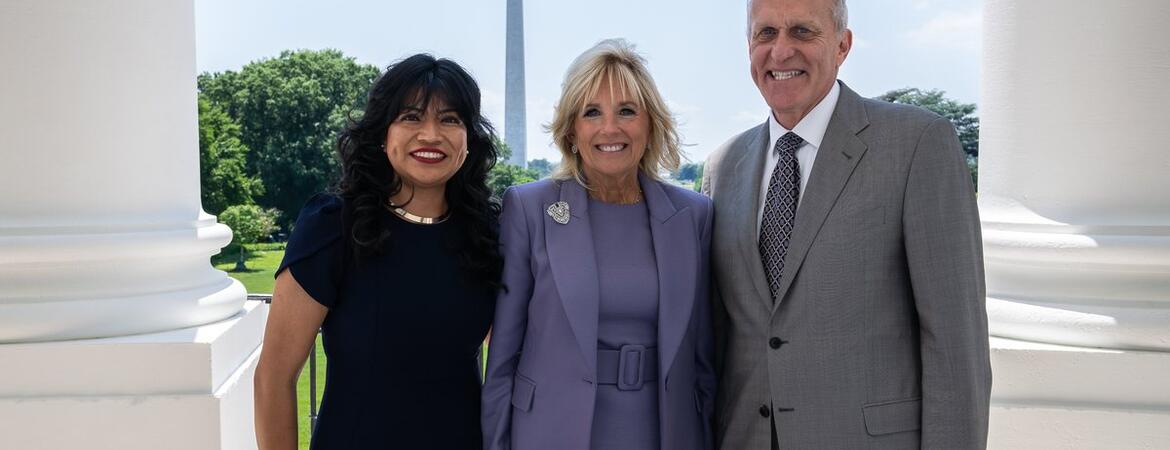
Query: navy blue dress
{"points": [[401, 334]]}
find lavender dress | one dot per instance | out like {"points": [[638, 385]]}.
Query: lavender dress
{"points": [[628, 314]]}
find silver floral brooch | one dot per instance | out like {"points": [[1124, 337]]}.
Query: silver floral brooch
{"points": [[559, 212]]}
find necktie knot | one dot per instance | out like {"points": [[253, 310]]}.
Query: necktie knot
{"points": [[788, 143]]}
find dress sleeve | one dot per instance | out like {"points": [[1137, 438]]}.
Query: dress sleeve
{"points": [[314, 251]]}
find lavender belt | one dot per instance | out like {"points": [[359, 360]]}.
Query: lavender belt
{"points": [[629, 368]]}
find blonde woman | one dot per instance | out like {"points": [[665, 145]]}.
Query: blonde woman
{"points": [[602, 338]]}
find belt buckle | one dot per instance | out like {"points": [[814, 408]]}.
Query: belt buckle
{"points": [[631, 354]]}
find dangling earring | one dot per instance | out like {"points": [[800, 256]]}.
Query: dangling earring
{"points": [[573, 149]]}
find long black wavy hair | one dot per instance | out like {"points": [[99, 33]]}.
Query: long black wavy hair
{"points": [[368, 181]]}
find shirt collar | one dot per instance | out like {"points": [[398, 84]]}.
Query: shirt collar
{"points": [[812, 127]]}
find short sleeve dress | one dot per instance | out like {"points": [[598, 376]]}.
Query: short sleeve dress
{"points": [[400, 336]]}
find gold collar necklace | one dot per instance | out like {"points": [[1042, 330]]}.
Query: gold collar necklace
{"points": [[407, 216]]}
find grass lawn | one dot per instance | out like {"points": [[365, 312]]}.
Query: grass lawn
{"points": [[262, 260]]}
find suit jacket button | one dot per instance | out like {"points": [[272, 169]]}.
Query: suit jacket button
{"points": [[765, 411], [775, 343]]}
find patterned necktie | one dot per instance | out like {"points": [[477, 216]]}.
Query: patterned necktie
{"points": [[780, 210]]}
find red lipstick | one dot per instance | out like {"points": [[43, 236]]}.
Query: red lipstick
{"points": [[428, 155]]}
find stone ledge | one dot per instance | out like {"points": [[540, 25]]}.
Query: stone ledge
{"points": [[1047, 396], [1046, 374], [188, 361], [1036, 428], [219, 421]]}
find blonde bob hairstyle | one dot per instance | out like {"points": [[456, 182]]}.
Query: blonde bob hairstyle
{"points": [[613, 60]]}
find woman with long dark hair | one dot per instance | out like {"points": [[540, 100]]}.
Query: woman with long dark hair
{"points": [[399, 269]]}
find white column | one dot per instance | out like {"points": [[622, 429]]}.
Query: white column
{"points": [[101, 229], [115, 331], [1075, 152]]}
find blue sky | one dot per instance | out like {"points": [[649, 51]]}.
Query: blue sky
{"points": [[697, 49]]}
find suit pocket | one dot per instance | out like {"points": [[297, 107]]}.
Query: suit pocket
{"points": [[893, 416], [523, 390]]}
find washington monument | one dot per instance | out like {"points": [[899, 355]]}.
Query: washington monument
{"points": [[514, 129]]}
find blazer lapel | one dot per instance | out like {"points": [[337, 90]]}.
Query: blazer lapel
{"points": [[838, 156], [574, 268], [745, 199], [676, 253]]}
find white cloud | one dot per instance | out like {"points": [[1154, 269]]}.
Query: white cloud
{"points": [[749, 117], [540, 113], [859, 43], [684, 113], [921, 4], [950, 29], [682, 109], [493, 107]]}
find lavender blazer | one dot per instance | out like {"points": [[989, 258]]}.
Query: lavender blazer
{"points": [[542, 362]]}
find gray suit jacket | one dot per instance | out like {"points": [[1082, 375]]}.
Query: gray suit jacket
{"points": [[880, 325]]}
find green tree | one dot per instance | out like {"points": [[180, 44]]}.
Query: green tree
{"points": [[687, 172], [290, 110], [222, 159], [698, 186], [249, 224], [505, 175], [542, 167], [503, 151], [961, 115]]}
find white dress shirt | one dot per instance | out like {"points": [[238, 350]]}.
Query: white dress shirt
{"points": [[812, 129]]}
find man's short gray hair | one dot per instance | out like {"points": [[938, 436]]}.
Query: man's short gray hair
{"points": [[840, 16]]}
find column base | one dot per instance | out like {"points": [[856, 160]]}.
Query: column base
{"points": [[1048, 396], [180, 389]]}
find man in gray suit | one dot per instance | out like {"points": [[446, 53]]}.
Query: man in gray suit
{"points": [[849, 297]]}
